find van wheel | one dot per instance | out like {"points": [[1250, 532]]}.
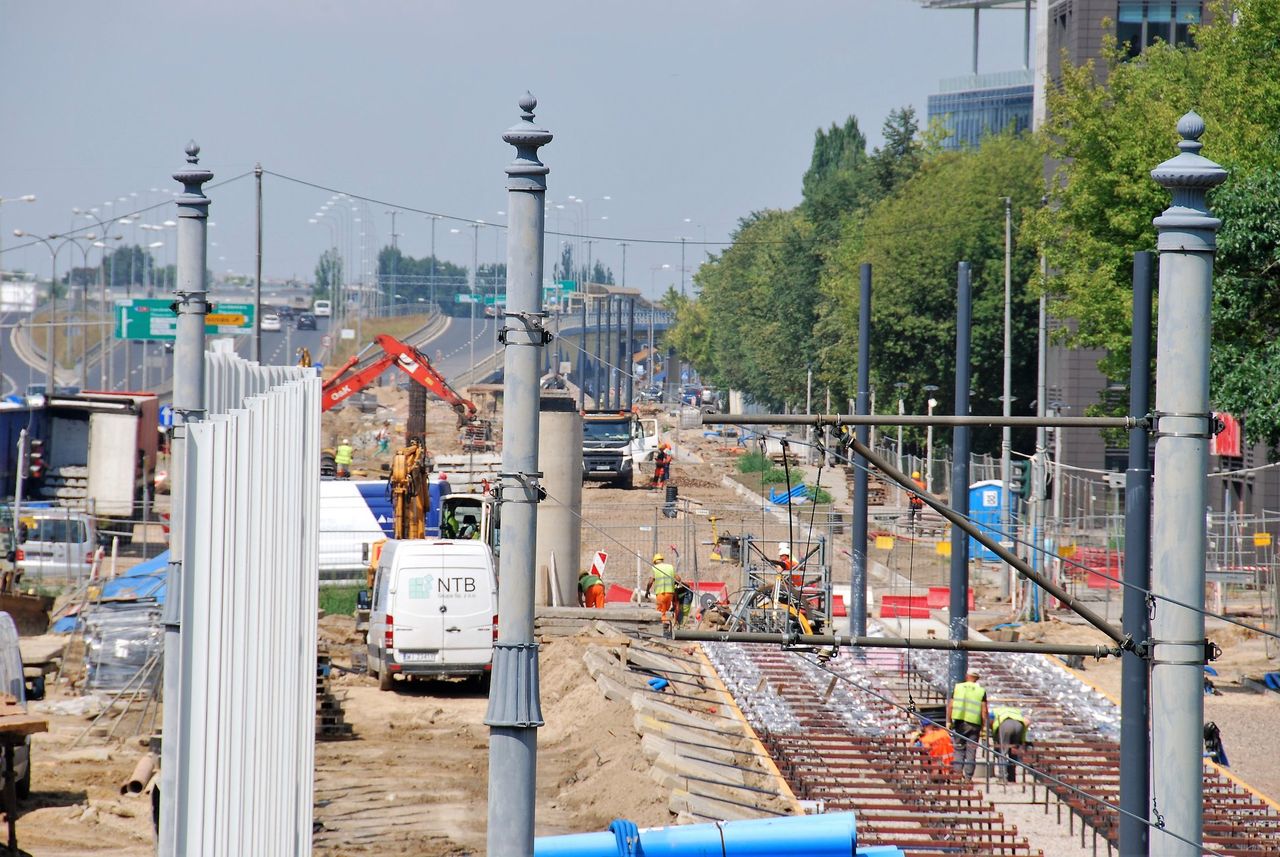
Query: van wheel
{"points": [[386, 680]]}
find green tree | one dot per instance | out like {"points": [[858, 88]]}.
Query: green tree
{"points": [[328, 274], [951, 210], [902, 153], [839, 180], [1108, 130]]}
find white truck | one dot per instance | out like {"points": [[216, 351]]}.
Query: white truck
{"points": [[613, 443]]}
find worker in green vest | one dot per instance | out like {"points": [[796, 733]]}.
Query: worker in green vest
{"points": [[966, 712], [342, 458], [590, 590], [662, 583], [1009, 729]]}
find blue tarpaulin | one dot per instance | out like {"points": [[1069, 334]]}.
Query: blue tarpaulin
{"points": [[144, 582]]}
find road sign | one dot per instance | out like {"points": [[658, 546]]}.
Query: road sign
{"points": [[347, 333], [326, 341], [154, 318], [166, 416]]}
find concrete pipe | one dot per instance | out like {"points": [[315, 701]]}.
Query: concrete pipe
{"points": [[142, 773]]}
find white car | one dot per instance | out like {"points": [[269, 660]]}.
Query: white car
{"points": [[322, 309], [271, 321]]}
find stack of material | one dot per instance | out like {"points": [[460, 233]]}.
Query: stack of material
{"points": [[331, 724], [700, 745], [123, 638], [570, 621], [877, 495]]}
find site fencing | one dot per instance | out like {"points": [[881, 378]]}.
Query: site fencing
{"points": [[244, 751]]}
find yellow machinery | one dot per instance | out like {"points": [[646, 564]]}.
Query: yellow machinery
{"points": [[409, 479]]}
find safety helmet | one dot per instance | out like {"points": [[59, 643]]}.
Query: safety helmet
{"points": [[346, 440], [784, 548], [915, 474], [657, 557]]}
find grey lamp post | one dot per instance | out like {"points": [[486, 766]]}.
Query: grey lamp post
{"points": [[47, 241], [929, 390]]}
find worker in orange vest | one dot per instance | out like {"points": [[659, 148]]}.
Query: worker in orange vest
{"points": [[937, 743], [590, 590]]}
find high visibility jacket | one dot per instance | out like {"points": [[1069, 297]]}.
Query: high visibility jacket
{"points": [[966, 702], [1008, 712], [589, 580], [664, 578], [343, 455], [938, 744]]}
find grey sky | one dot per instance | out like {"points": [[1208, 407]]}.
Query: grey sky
{"points": [[699, 110]]}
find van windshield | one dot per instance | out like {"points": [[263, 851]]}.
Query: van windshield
{"points": [[55, 530]]}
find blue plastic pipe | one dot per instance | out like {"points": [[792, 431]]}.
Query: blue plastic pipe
{"points": [[833, 835]]}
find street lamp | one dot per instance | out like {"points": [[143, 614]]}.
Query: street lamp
{"points": [[47, 241], [930, 389], [29, 197]]}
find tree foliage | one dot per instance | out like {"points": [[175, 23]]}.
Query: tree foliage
{"points": [[426, 279], [328, 274], [568, 269], [1108, 131]]}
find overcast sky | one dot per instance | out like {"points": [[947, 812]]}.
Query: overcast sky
{"points": [[674, 110]]}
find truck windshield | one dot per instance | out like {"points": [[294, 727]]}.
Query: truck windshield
{"points": [[618, 431]]}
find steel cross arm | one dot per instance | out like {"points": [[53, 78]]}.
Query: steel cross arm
{"points": [[833, 640], [991, 544], [920, 420]]}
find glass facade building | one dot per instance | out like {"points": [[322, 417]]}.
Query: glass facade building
{"points": [[975, 105]]}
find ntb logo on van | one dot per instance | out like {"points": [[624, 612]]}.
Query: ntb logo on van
{"points": [[424, 585]]}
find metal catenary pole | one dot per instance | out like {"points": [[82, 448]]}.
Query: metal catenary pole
{"points": [[959, 629], [257, 277], [582, 357], [1006, 400], [514, 713], [631, 350], [1186, 241], [1135, 782], [188, 407], [858, 595]]}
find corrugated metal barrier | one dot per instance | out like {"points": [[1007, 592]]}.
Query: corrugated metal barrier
{"points": [[249, 614]]}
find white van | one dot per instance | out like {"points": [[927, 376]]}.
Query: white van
{"points": [[56, 543], [434, 610], [322, 309]]}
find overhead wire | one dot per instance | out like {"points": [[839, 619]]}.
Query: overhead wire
{"points": [[1149, 594]]}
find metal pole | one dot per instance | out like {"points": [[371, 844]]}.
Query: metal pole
{"points": [[1186, 242], [188, 407], [1006, 401], [257, 278], [596, 351], [514, 713], [960, 479], [681, 265], [50, 342], [631, 350], [1134, 686], [582, 357], [475, 281], [1039, 473], [858, 595], [1135, 781]]}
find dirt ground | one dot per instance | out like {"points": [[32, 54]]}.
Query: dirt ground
{"points": [[371, 792]]}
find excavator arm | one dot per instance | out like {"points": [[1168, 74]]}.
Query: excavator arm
{"points": [[408, 360]]}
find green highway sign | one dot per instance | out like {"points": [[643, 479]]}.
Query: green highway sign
{"points": [[154, 318]]}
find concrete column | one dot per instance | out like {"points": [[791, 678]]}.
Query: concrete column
{"points": [[560, 515], [188, 406], [1187, 241], [515, 713]]}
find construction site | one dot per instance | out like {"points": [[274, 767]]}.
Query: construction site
{"points": [[644, 727]]}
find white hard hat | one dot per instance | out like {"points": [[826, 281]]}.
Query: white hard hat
{"points": [[346, 440], [784, 547]]}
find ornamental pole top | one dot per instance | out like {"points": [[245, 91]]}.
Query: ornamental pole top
{"points": [[1188, 225], [527, 172]]}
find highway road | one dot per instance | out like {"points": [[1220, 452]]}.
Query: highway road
{"points": [[148, 366]]}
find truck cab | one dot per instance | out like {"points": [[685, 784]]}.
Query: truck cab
{"points": [[613, 443]]}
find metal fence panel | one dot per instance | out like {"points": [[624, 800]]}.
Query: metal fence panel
{"points": [[248, 614]]}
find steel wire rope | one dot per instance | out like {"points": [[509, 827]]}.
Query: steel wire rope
{"points": [[1150, 595], [592, 237], [817, 662]]}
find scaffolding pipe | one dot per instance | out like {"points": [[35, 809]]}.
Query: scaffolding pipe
{"points": [[927, 643]]}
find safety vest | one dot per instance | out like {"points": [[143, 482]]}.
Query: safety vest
{"points": [[966, 702], [664, 578], [1008, 712], [589, 580], [343, 455], [938, 744]]}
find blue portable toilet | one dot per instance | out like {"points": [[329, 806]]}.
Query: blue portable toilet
{"points": [[984, 510]]}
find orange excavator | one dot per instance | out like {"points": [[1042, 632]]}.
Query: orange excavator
{"points": [[344, 383]]}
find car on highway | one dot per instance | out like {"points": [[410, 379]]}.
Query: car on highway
{"points": [[306, 321], [322, 309], [271, 321]]}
